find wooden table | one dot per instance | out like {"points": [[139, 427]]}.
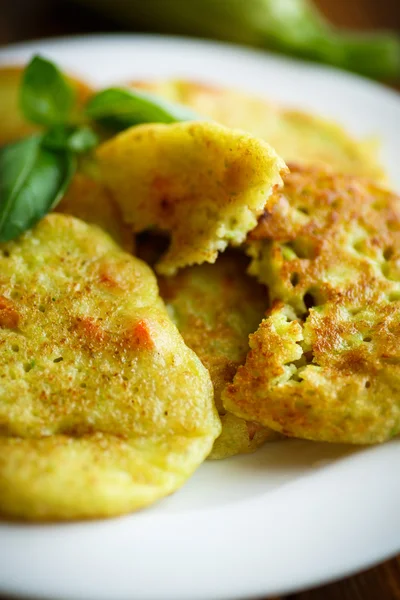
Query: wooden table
{"points": [[26, 19]]}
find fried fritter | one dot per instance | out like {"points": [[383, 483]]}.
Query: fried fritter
{"points": [[325, 365], [295, 135], [203, 183], [13, 126], [215, 308], [88, 199], [103, 409]]}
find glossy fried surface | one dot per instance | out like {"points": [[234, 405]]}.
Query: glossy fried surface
{"points": [[295, 135], [103, 409], [325, 365], [215, 308], [203, 183]]}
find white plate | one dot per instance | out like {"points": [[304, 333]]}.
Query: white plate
{"points": [[294, 514]]}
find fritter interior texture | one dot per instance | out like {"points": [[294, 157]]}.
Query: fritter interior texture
{"points": [[295, 135], [215, 308], [103, 409], [325, 365], [203, 183]]}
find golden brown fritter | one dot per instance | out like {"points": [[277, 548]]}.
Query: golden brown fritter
{"points": [[325, 365], [13, 126], [88, 199], [295, 135], [201, 182], [215, 308], [103, 409]]}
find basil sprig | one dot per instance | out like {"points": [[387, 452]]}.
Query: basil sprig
{"points": [[76, 139], [119, 108], [35, 172]]}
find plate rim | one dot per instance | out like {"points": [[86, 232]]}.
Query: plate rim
{"points": [[194, 41]]}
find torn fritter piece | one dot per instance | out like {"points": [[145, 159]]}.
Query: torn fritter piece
{"points": [[333, 378], [204, 184], [295, 135], [325, 365], [215, 308], [86, 198], [103, 409]]}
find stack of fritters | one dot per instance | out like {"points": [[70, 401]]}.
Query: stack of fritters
{"points": [[284, 286]]}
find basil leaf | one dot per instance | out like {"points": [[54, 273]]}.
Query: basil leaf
{"points": [[76, 139], [120, 108], [27, 193], [46, 97], [16, 162]]}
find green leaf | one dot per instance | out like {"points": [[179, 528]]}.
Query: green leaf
{"points": [[119, 109], [46, 97], [16, 162], [76, 139], [32, 181]]}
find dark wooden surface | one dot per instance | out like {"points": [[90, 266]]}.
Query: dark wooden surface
{"points": [[29, 19]]}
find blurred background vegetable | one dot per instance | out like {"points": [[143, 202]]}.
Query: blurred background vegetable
{"points": [[292, 26]]}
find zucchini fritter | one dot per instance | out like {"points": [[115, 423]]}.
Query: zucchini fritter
{"points": [[295, 135], [201, 182], [215, 308], [88, 199], [325, 365], [103, 409]]}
